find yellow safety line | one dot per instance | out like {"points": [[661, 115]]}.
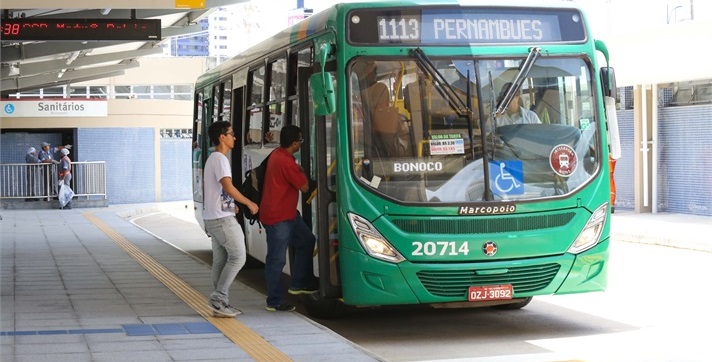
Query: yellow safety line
{"points": [[241, 335]]}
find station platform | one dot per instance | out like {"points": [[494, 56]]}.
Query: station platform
{"points": [[105, 284], [88, 284]]}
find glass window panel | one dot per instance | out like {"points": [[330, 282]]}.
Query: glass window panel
{"points": [[182, 88], [142, 89], [304, 59], [278, 80], [414, 146], [161, 89], [254, 131], [54, 92], [276, 122], [78, 92], [227, 99], [122, 89], [295, 111], [258, 84], [197, 149], [98, 92], [216, 103]]}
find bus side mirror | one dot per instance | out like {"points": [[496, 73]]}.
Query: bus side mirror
{"points": [[323, 95], [608, 83]]}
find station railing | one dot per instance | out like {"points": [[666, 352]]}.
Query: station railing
{"points": [[40, 180]]}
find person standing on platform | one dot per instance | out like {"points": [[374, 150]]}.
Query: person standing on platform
{"points": [[228, 240], [47, 152], [64, 171], [284, 178], [47, 155], [32, 173]]}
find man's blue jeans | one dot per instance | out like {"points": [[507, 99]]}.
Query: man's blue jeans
{"points": [[296, 234], [228, 254]]}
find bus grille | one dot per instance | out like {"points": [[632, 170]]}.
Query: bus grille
{"points": [[483, 225], [455, 283]]}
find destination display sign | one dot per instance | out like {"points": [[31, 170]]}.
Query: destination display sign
{"points": [[27, 29], [452, 26]]}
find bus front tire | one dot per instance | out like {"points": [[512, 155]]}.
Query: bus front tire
{"points": [[323, 308]]}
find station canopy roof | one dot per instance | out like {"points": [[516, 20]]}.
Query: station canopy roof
{"points": [[28, 65]]}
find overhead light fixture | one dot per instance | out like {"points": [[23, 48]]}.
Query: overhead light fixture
{"points": [[72, 57], [14, 70]]}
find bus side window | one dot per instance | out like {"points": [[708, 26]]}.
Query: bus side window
{"points": [[255, 110], [254, 133]]}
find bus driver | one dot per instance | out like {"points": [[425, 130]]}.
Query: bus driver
{"points": [[515, 113]]}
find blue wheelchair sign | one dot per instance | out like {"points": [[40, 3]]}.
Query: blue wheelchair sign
{"points": [[506, 177], [9, 109]]}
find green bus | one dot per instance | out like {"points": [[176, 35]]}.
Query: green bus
{"points": [[461, 152]]}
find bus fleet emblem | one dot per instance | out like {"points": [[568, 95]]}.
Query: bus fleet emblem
{"points": [[563, 160], [489, 248]]}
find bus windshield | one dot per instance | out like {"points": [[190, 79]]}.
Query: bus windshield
{"points": [[410, 142]]}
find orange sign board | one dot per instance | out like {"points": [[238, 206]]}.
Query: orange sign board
{"points": [[190, 4]]}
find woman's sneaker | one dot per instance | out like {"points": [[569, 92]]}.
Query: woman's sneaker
{"points": [[221, 309], [284, 307]]}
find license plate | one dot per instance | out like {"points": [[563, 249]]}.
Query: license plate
{"points": [[490, 292]]}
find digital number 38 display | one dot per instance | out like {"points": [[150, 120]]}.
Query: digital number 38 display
{"points": [[28, 29]]}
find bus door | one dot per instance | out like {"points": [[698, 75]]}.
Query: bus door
{"points": [[238, 126], [201, 141], [319, 161]]}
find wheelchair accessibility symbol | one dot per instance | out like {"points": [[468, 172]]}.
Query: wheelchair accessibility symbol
{"points": [[9, 109], [507, 177]]}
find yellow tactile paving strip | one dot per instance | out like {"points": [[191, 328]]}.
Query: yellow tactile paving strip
{"points": [[245, 338]]}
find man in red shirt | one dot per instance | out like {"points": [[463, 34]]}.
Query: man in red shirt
{"points": [[284, 178]]}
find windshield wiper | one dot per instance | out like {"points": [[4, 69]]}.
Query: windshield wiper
{"points": [[441, 85], [524, 70], [446, 91]]}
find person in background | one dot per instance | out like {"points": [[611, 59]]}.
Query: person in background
{"points": [[32, 173], [284, 178], [64, 171], [47, 155], [47, 152], [228, 240]]}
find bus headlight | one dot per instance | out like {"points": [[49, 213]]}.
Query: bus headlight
{"points": [[591, 232], [372, 241]]}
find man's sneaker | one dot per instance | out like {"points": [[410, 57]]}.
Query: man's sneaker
{"points": [[307, 290], [221, 309], [284, 307], [237, 311]]}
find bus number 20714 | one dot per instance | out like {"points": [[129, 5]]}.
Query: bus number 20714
{"points": [[442, 248]]}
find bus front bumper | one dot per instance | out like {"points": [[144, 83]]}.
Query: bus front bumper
{"points": [[367, 281]]}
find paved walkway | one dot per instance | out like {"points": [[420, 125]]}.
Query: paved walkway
{"points": [[674, 230], [82, 285], [88, 285]]}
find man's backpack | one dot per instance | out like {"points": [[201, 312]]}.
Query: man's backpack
{"points": [[251, 188]]}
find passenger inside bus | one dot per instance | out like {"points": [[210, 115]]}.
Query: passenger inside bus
{"points": [[385, 119], [431, 112]]}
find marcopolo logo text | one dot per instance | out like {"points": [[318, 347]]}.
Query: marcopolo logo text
{"points": [[487, 210]]}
